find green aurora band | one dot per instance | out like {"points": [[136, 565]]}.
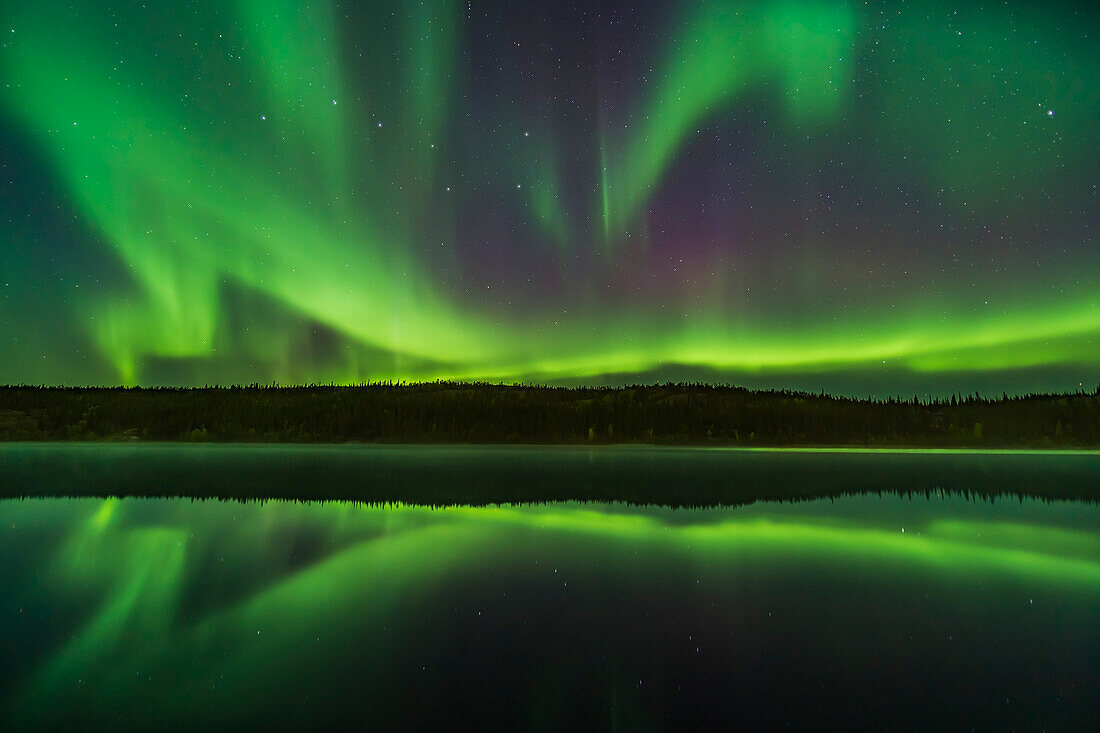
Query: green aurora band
{"points": [[141, 560], [261, 171]]}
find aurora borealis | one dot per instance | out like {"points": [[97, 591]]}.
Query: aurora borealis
{"points": [[779, 193], [155, 612]]}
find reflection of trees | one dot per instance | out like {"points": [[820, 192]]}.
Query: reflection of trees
{"points": [[442, 475]]}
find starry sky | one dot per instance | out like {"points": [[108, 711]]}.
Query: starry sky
{"points": [[866, 198]]}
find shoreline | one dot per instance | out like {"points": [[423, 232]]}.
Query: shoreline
{"points": [[494, 474], [348, 444]]}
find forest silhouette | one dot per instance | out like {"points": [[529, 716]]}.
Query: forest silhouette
{"points": [[457, 412]]}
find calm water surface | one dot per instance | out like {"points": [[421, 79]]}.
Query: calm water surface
{"points": [[882, 612], [480, 474]]}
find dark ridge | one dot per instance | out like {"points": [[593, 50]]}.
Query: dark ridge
{"points": [[476, 412]]}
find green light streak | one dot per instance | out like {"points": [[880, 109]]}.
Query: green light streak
{"points": [[133, 556], [286, 172], [605, 206], [544, 188], [720, 51]]}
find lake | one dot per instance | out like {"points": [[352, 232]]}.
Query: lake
{"points": [[486, 474], [864, 610]]}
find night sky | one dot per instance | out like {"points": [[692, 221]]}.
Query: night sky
{"points": [[868, 198]]}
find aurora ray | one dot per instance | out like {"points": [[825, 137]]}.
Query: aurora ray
{"points": [[252, 191]]}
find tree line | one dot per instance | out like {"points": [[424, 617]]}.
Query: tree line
{"points": [[459, 412]]}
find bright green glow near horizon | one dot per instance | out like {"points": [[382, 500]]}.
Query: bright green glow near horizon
{"points": [[264, 169]]}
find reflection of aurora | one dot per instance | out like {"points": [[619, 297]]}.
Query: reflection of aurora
{"points": [[225, 602], [293, 194]]}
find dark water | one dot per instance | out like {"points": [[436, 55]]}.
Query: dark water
{"points": [[868, 612], [479, 474]]}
